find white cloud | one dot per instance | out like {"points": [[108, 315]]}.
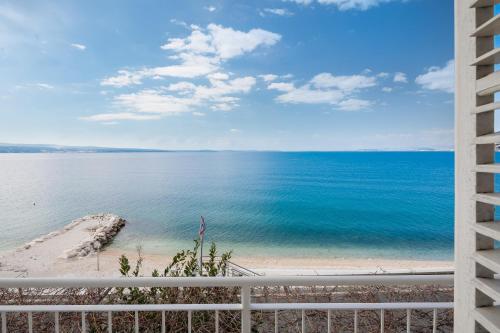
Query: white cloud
{"points": [[268, 77], [354, 104], [231, 43], [44, 86], [211, 8], [181, 97], [325, 88], [301, 2], [153, 101], [223, 106], [347, 4], [179, 22], [441, 79], [281, 86], [344, 83], [124, 78], [400, 77], [276, 11], [219, 91], [112, 117], [193, 65], [80, 47], [234, 130], [353, 4], [387, 89], [197, 42], [383, 75], [182, 86], [199, 54], [218, 76], [307, 95], [198, 114], [222, 43]]}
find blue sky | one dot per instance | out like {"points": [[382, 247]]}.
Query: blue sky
{"points": [[265, 75]]}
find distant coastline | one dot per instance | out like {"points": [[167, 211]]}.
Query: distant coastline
{"points": [[47, 148], [13, 148]]}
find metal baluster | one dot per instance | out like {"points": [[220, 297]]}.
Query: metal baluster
{"points": [[329, 317], [408, 320], [4, 322], [84, 324], [434, 320], [163, 328], [30, 322], [216, 321], [275, 321], [303, 321], [355, 321], [382, 321], [110, 322], [246, 314], [136, 321], [56, 322], [189, 320]]}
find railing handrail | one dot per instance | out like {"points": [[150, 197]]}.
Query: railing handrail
{"points": [[246, 281], [235, 266], [225, 307]]}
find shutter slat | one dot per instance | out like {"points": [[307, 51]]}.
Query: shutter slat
{"points": [[487, 107], [488, 198], [488, 138], [489, 287], [488, 84], [489, 58], [488, 168], [488, 229], [488, 258], [483, 3], [489, 318], [489, 28]]}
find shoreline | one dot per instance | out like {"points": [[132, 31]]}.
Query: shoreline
{"points": [[269, 266], [108, 265], [272, 265]]}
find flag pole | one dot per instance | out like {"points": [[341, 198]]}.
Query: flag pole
{"points": [[202, 236], [201, 256]]}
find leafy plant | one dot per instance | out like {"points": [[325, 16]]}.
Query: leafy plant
{"points": [[184, 263]]}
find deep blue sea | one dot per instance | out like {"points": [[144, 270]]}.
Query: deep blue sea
{"points": [[347, 205]]}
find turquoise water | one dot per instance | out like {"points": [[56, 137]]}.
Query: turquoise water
{"points": [[349, 205]]}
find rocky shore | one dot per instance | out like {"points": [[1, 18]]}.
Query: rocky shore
{"points": [[77, 240], [102, 230]]}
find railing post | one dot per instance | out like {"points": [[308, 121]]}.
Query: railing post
{"points": [[84, 324], [56, 322], [246, 318], [163, 327], [110, 322]]}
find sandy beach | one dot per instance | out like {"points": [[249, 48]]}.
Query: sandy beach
{"points": [[47, 256]]}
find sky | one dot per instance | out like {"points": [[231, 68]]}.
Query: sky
{"points": [[242, 75]]}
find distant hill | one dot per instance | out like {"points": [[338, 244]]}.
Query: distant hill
{"points": [[32, 148]]}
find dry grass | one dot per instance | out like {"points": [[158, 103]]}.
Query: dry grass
{"points": [[289, 321]]}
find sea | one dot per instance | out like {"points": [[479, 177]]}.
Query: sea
{"points": [[390, 205]]}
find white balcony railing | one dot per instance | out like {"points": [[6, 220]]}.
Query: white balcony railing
{"points": [[245, 305]]}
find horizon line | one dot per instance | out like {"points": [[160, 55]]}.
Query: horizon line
{"points": [[57, 147]]}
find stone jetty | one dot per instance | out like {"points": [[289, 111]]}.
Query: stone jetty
{"points": [[102, 229], [79, 239]]}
